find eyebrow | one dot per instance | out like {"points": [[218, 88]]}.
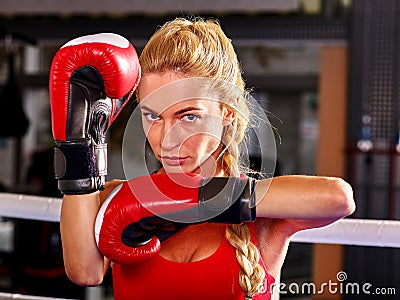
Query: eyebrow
{"points": [[179, 112], [186, 109], [148, 109]]}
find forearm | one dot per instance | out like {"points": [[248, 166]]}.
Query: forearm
{"points": [[304, 197], [83, 262]]}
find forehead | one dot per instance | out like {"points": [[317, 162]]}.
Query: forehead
{"points": [[149, 83], [180, 107], [159, 92]]}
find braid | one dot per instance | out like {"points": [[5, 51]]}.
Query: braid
{"points": [[251, 274], [230, 155]]}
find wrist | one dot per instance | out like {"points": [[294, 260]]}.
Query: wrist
{"points": [[80, 166], [228, 200]]}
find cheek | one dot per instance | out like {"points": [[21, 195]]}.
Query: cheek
{"points": [[201, 144], [153, 137], [210, 138]]}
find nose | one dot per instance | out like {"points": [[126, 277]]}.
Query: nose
{"points": [[171, 136]]}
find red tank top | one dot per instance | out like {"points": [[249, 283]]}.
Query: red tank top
{"points": [[215, 277]]}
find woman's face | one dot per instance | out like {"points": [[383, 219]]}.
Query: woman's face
{"points": [[183, 131]]}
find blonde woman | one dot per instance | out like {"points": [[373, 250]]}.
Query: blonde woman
{"points": [[216, 257]]}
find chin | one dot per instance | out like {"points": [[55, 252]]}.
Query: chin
{"points": [[178, 169]]}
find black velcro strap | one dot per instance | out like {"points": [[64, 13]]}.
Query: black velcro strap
{"points": [[229, 200], [74, 161]]}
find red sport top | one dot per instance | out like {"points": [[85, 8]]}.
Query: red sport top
{"points": [[215, 277]]}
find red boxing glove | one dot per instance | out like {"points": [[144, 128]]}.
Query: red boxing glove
{"points": [[142, 212], [91, 79]]}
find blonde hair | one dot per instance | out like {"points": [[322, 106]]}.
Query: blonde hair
{"points": [[200, 48]]}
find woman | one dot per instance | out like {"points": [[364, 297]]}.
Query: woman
{"points": [[182, 139]]}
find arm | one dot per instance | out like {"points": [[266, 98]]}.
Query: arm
{"points": [[91, 80], [83, 262], [304, 201]]}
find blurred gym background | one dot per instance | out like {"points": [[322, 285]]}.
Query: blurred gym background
{"points": [[326, 71]]}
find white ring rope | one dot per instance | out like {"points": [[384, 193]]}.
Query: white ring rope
{"points": [[360, 232], [30, 207], [4, 296], [357, 232]]}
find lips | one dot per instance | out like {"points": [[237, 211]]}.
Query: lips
{"points": [[173, 160]]}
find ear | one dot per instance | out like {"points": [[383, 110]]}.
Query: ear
{"points": [[228, 116]]}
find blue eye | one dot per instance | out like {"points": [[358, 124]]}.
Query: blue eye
{"points": [[151, 117], [190, 117]]}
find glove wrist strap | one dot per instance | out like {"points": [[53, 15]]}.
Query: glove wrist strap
{"points": [[80, 167], [229, 200]]}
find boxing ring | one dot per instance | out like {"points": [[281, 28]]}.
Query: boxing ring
{"points": [[356, 232]]}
